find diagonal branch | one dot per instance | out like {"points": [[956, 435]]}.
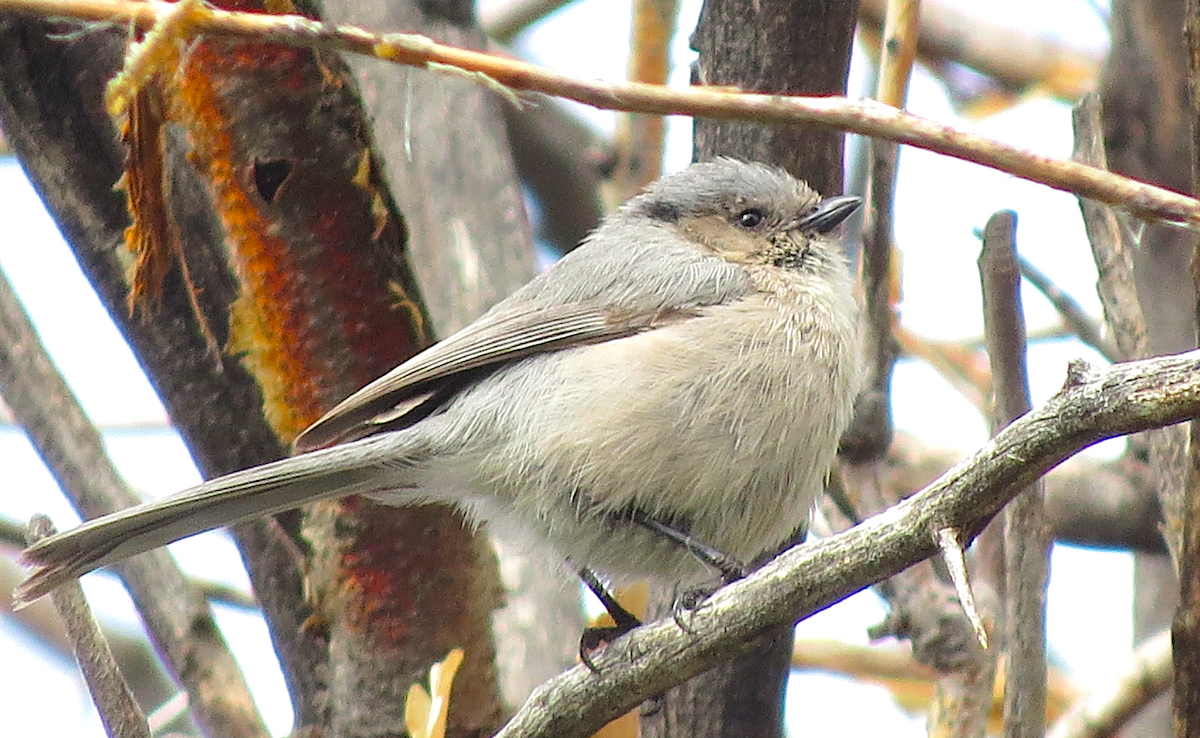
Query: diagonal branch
{"points": [[1092, 406], [119, 711], [504, 75], [1073, 315], [176, 615], [1111, 240]]}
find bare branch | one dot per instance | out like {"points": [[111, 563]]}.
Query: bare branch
{"points": [[901, 29], [866, 117], [1093, 405], [1078, 321], [176, 615], [950, 544], [1088, 503], [641, 139], [870, 433], [1114, 239], [1111, 239], [119, 711], [1099, 507], [1026, 543], [1004, 318]]}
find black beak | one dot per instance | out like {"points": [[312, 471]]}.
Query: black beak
{"points": [[829, 214]]}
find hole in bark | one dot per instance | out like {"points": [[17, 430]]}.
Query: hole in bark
{"points": [[269, 176]]}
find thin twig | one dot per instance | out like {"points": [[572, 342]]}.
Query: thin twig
{"points": [[909, 683], [958, 364], [901, 29], [1093, 405], [951, 546], [40, 621], [1026, 543], [872, 663], [119, 711], [168, 712], [176, 616], [1078, 321], [866, 117]]}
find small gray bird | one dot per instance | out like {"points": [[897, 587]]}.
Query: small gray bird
{"points": [[689, 369]]}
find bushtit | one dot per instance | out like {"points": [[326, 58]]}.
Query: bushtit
{"points": [[692, 364]]}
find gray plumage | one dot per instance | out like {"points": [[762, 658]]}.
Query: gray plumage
{"points": [[694, 359]]}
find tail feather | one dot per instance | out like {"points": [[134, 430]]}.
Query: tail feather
{"points": [[335, 472]]}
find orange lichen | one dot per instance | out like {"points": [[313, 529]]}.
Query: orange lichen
{"points": [[263, 317]]}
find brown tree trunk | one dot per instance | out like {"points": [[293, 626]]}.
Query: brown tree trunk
{"points": [[1147, 134], [291, 284]]}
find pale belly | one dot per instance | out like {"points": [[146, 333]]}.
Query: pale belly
{"points": [[708, 427]]}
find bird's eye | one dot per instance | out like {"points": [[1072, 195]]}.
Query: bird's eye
{"points": [[750, 218]]}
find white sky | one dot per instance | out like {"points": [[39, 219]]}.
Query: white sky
{"points": [[940, 202]]}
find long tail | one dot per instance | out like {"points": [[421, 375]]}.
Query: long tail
{"points": [[353, 468]]}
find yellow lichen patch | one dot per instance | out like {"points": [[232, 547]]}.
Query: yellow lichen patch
{"points": [[416, 317], [156, 54]]}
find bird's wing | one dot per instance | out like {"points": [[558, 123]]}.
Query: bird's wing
{"points": [[387, 402], [520, 331]]}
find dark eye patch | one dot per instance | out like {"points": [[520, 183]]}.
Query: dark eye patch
{"points": [[662, 210]]}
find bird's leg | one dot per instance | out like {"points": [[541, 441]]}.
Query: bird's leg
{"points": [[731, 569], [594, 638], [686, 602]]}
